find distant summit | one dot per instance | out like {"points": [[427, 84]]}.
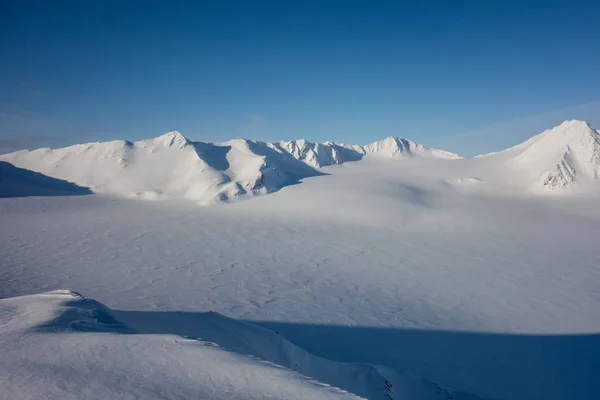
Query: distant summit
{"points": [[394, 147], [171, 139]]}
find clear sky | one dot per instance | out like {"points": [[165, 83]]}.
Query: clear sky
{"points": [[469, 77]]}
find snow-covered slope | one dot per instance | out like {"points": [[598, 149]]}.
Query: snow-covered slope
{"points": [[397, 147], [60, 345]]}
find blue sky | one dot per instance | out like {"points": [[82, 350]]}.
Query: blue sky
{"points": [[469, 77]]}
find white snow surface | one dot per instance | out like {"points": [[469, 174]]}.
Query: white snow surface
{"points": [[454, 272]]}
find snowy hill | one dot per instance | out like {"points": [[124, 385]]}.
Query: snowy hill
{"points": [[59, 345]]}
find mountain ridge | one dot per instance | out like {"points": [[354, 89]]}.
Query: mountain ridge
{"points": [[171, 165]]}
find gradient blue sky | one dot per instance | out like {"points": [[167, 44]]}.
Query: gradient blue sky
{"points": [[469, 77]]}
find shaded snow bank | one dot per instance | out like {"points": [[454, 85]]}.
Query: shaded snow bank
{"points": [[19, 182]]}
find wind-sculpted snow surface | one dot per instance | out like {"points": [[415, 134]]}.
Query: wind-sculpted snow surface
{"points": [[59, 345]]}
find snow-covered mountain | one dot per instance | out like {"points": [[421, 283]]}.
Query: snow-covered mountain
{"points": [[323, 154], [169, 166], [566, 156], [319, 155], [398, 147], [173, 166]]}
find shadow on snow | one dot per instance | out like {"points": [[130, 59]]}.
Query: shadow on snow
{"points": [[19, 182], [493, 365]]}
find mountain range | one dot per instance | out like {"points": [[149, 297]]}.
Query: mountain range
{"points": [[558, 160]]}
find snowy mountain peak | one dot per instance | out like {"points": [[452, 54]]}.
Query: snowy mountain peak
{"points": [[573, 123], [319, 155], [394, 146], [571, 133], [567, 155], [172, 139]]}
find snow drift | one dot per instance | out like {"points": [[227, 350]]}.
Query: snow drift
{"points": [[62, 345]]}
